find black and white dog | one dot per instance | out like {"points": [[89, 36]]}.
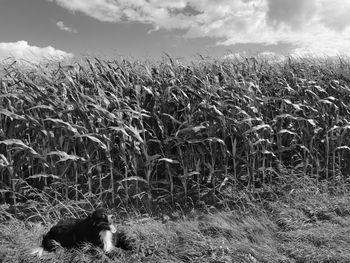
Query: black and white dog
{"points": [[97, 229]]}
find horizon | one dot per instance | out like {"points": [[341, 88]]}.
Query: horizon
{"points": [[71, 29]]}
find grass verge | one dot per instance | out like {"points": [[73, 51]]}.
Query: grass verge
{"points": [[308, 226]]}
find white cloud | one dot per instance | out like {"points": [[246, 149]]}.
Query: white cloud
{"points": [[63, 27], [34, 54], [236, 56], [310, 25], [271, 56], [103, 10], [264, 56]]}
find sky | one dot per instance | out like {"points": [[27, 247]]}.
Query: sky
{"points": [[59, 29]]}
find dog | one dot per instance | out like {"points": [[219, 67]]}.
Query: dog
{"points": [[97, 229]]}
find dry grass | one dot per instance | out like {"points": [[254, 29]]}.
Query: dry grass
{"points": [[305, 227]]}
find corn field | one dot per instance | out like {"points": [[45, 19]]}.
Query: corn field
{"points": [[138, 132]]}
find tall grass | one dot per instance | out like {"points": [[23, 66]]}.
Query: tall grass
{"points": [[140, 133]]}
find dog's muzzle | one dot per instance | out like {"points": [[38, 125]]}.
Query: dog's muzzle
{"points": [[111, 225]]}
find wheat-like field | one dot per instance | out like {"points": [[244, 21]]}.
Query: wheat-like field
{"points": [[157, 137]]}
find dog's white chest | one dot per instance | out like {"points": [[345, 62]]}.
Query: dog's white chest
{"points": [[107, 239]]}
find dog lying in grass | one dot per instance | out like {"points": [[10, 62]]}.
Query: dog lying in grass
{"points": [[97, 229]]}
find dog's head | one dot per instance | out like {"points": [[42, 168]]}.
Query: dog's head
{"points": [[101, 215], [102, 220]]}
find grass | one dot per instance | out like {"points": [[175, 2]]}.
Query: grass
{"points": [[305, 226]]}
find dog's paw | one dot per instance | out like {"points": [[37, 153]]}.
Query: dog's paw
{"points": [[37, 252]]}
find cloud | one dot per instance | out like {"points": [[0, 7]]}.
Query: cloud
{"points": [[335, 14], [236, 56], [271, 56], [103, 10], [292, 13], [264, 56], [63, 27], [34, 54], [315, 25]]}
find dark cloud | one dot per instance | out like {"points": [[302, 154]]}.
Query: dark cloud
{"points": [[293, 13]]}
